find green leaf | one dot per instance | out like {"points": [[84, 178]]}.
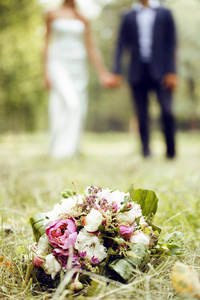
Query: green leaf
{"points": [[38, 223], [175, 237], [95, 288], [101, 228], [174, 249], [119, 240], [125, 208], [125, 267], [66, 194], [4, 289], [147, 200], [154, 227], [37, 218], [111, 251], [175, 242]]}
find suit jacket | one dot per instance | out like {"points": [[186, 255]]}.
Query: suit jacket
{"points": [[163, 46]]}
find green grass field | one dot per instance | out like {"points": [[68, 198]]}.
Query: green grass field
{"points": [[31, 182]]}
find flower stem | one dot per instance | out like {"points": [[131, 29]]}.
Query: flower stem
{"points": [[28, 274]]}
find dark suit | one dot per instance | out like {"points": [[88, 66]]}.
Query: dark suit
{"points": [[144, 77]]}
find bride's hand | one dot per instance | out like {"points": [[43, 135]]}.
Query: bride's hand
{"points": [[110, 80]]}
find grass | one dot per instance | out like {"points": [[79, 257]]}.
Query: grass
{"points": [[31, 182]]}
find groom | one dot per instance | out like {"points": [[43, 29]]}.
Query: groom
{"points": [[148, 34]]}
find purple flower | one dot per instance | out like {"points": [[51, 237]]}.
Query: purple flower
{"points": [[83, 254], [104, 204], [90, 202], [75, 258], [94, 189], [62, 256], [62, 234], [126, 231], [94, 260], [104, 222]]}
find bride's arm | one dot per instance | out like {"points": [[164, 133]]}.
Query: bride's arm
{"points": [[106, 78], [45, 51]]}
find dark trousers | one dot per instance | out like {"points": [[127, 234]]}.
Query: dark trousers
{"points": [[140, 98]]}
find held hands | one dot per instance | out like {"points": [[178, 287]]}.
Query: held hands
{"points": [[170, 81], [110, 80], [47, 83]]}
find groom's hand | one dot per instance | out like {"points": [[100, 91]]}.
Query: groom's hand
{"points": [[110, 80], [170, 81]]}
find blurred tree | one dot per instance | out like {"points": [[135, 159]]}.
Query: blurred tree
{"points": [[21, 92], [187, 98], [23, 102], [108, 109], [187, 15]]}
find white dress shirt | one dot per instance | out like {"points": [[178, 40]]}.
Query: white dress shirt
{"points": [[145, 18]]}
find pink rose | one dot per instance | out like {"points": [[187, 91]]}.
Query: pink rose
{"points": [[62, 234], [126, 231], [37, 261]]}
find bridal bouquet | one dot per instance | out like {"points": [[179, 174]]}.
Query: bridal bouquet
{"points": [[100, 231]]}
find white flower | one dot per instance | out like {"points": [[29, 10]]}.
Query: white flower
{"points": [[115, 196], [63, 208], [140, 238], [137, 209], [51, 266], [131, 215], [41, 249], [142, 221], [93, 220], [91, 244], [44, 247]]}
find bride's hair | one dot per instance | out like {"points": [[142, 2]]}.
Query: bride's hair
{"points": [[70, 3]]}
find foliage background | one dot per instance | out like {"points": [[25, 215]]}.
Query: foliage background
{"points": [[23, 100], [31, 181]]}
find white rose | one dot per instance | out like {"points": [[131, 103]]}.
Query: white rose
{"points": [[118, 197], [63, 208], [44, 247], [51, 266], [115, 196], [142, 221], [131, 215], [140, 238], [93, 220], [137, 209], [105, 193], [91, 244]]}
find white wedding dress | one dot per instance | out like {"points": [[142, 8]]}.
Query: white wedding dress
{"points": [[67, 67]]}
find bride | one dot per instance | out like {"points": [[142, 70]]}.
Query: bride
{"points": [[68, 42]]}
